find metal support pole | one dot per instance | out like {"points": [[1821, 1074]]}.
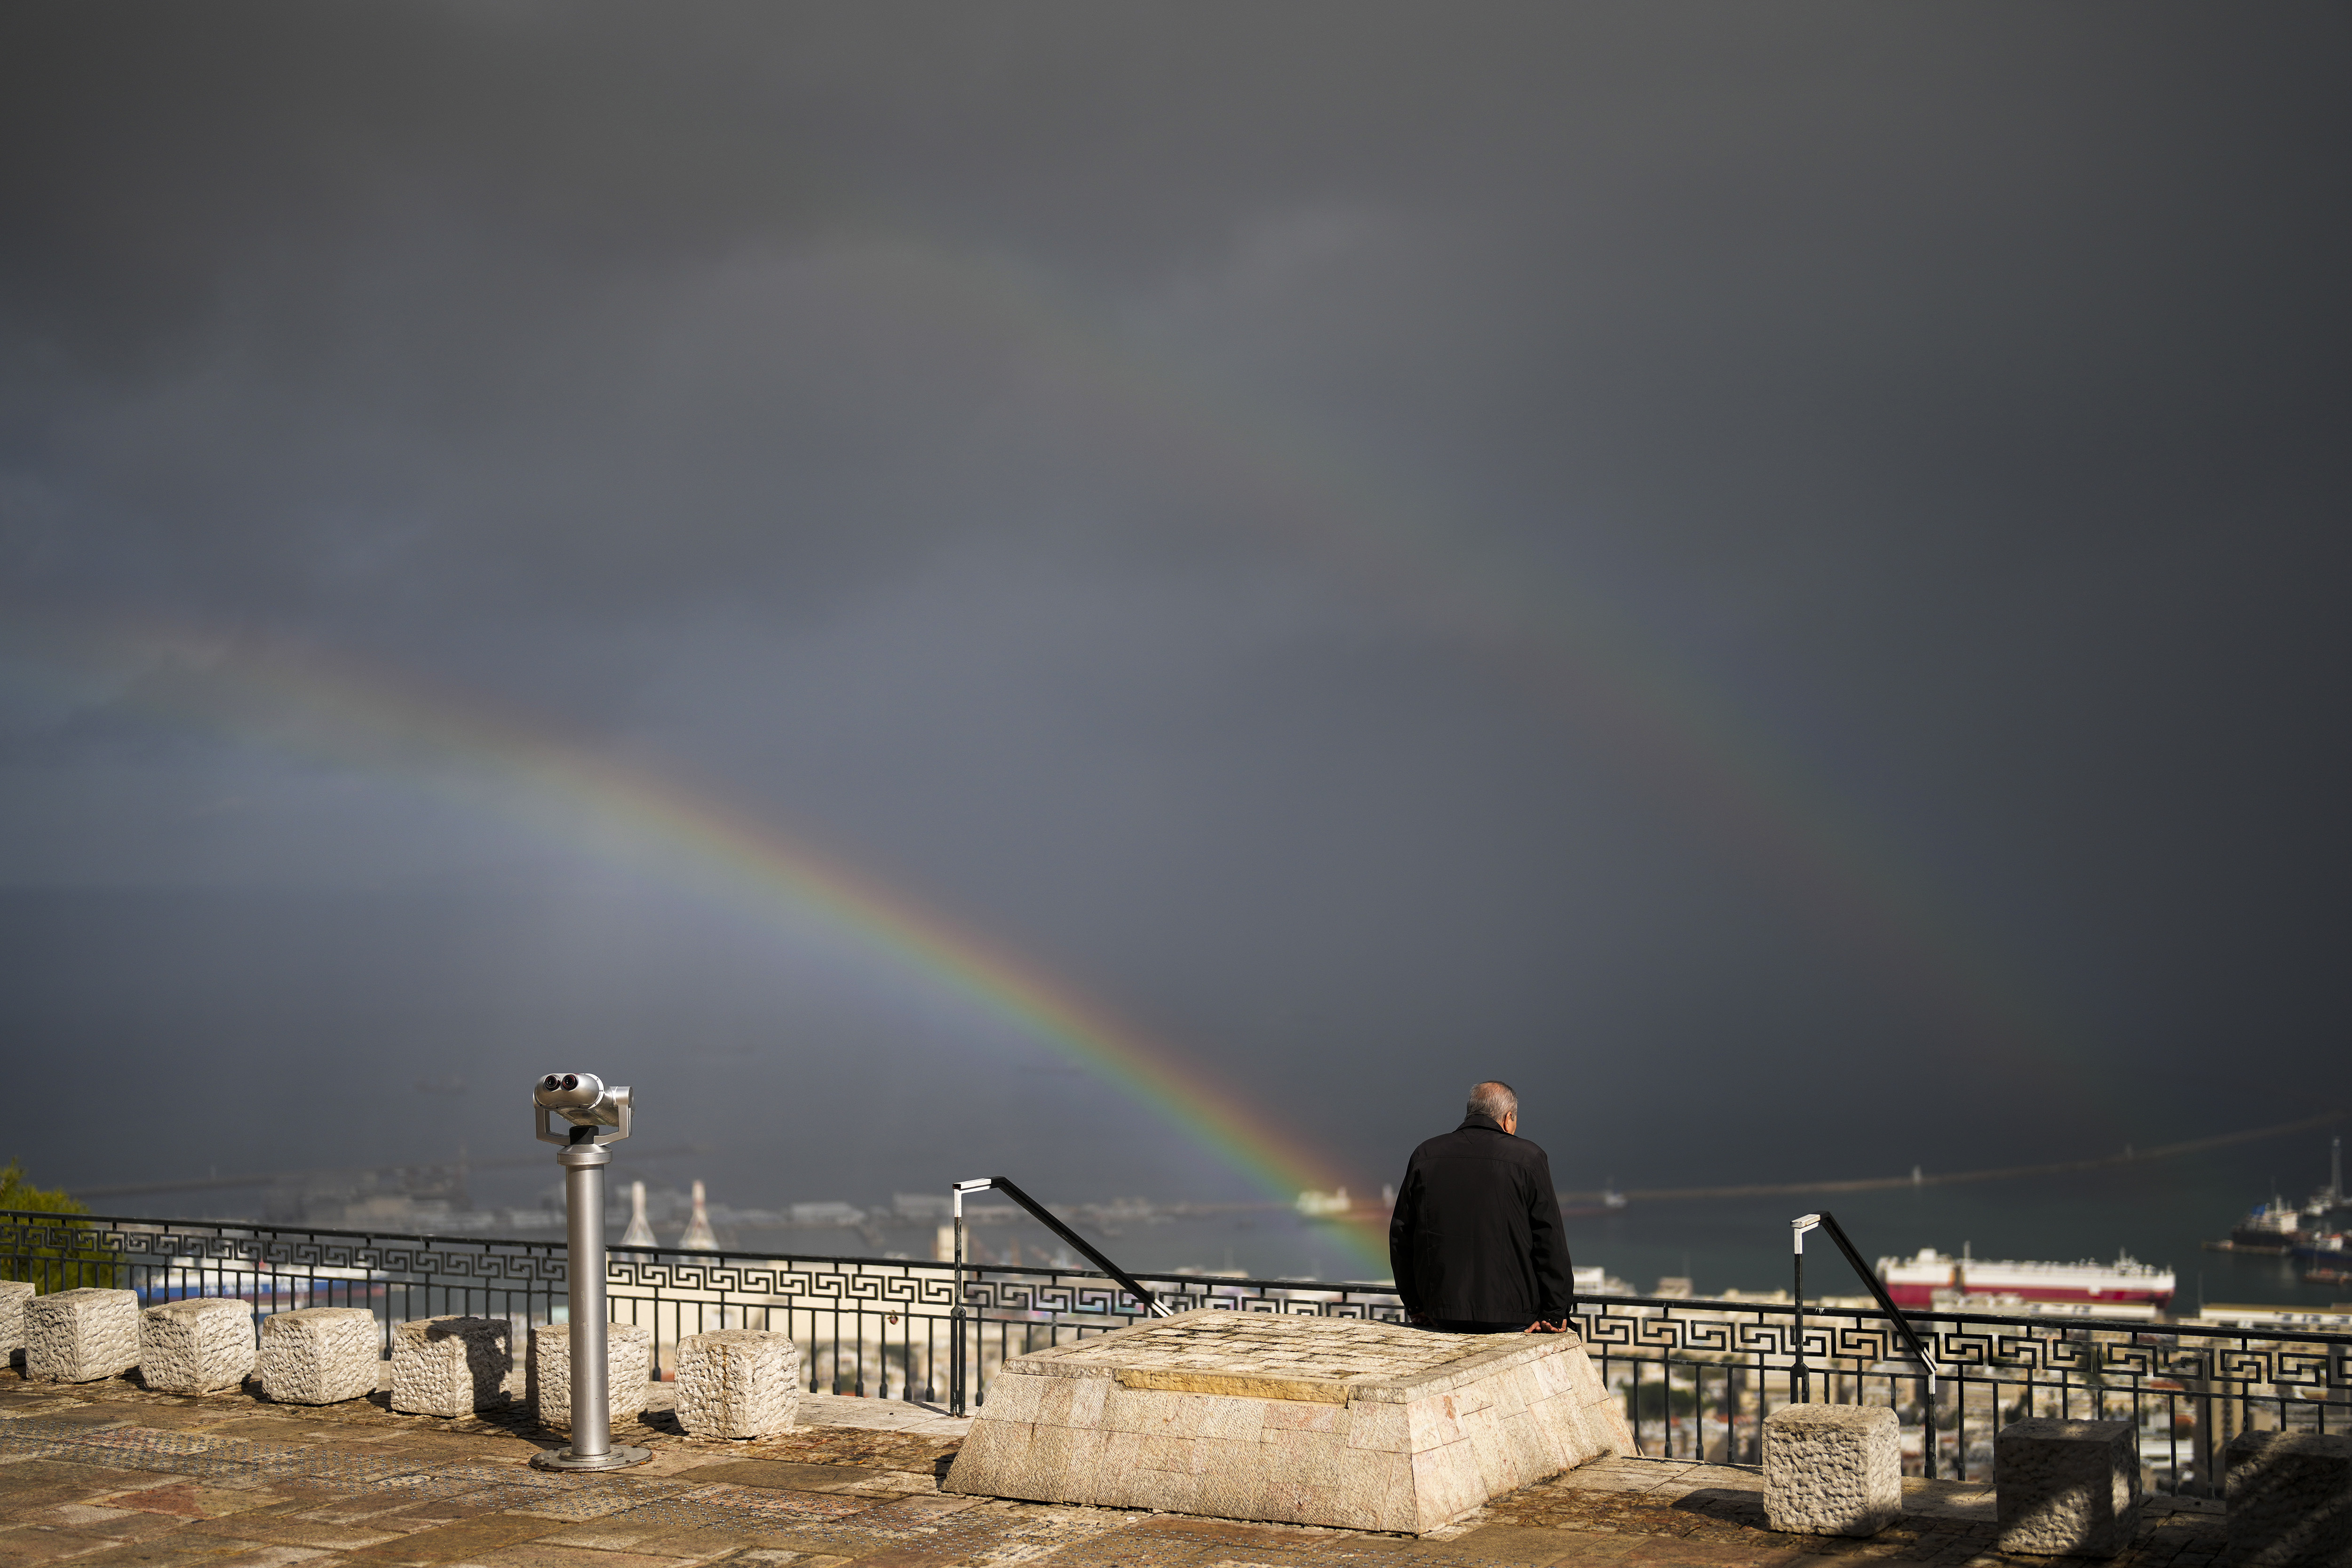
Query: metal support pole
{"points": [[1927, 1432], [1801, 1383], [583, 1200], [583, 1101], [955, 1319]]}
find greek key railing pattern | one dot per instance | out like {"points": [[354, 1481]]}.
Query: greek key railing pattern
{"points": [[1698, 1377]]}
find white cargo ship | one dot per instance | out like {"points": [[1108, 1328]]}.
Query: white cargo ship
{"points": [[1918, 1280]]}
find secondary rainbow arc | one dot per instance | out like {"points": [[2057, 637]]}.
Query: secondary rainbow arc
{"points": [[1564, 641]]}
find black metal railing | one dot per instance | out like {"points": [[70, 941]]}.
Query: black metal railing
{"points": [[1698, 1377]]}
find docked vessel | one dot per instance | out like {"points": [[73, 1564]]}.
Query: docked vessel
{"points": [[1920, 1279], [2315, 1230], [2274, 1228]]}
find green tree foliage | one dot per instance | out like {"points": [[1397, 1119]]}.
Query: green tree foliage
{"points": [[38, 1249]]}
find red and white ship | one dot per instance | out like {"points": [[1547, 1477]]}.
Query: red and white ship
{"points": [[1916, 1281]]}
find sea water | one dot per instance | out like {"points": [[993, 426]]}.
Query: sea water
{"points": [[2159, 1212]]}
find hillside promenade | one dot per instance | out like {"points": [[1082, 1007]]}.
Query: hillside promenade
{"points": [[108, 1475]]}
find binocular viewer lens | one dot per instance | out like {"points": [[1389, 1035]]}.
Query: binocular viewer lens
{"points": [[581, 1098], [568, 1091]]}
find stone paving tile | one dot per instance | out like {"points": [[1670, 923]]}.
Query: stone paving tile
{"points": [[73, 1413], [33, 1543], [41, 1478], [785, 1475], [166, 1552], [100, 1519], [466, 1541], [541, 1554], [195, 1500], [285, 1530], [620, 1534], [845, 1410]]}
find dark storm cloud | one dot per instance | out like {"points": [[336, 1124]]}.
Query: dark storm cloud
{"points": [[949, 430]]}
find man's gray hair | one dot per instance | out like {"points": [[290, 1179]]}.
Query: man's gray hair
{"points": [[1493, 1100]]}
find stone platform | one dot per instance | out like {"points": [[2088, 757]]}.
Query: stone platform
{"points": [[1297, 1420]]}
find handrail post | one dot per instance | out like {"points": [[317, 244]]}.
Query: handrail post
{"points": [[1801, 1383], [1902, 1325], [957, 1350]]}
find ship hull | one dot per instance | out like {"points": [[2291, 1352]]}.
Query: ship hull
{"points": [[1923, 1296], [1916, 1282]]}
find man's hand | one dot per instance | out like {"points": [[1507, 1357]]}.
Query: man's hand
{"points": [[1540, 1327]]}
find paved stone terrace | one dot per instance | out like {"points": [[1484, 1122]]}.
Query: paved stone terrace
{"points": [[112, 1476]]}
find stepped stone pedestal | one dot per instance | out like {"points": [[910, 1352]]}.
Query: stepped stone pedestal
{"points": [[450, 1366], [737, 1383], [14, 1294], [1296, 1420], [318, 1355], [81, 1336], [2067, 1488], [2290, 1499], [199, 1345], [628, 1362], [1832, 1469]]}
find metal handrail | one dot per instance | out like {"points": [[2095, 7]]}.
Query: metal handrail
{"points": [[1801, 1384], [1047, 1217]]}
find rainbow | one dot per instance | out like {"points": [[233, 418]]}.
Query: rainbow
{"points": [[308, 700]]}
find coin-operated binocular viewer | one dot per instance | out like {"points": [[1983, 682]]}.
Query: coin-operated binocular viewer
{"points": [[593, 1116]]}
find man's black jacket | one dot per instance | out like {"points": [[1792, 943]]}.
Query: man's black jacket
{"points": [[1476, 1231]]}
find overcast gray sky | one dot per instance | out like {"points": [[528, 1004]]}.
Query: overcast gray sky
{"points": [[1773, 574]]}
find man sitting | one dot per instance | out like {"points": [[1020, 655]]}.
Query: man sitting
{"points": [[1475, 1241]]}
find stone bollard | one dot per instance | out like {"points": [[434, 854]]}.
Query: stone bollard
{"points": [[737, 1383], [628, 1362], [2290, 1497], [14, 1294], [1832, 1469], [81, 1336], [2067, 1488], [318, 1355], [450, 1366], [199, 1345]]}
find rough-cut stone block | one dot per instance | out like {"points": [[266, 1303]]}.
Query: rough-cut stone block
{"points": [[2290, 1499], [1832, 1469], [1330, 1421], [628, 1362], [450, 1366], [195, 1346], [318, 1355], [737, 1383], [2067, 1488], [14, 1294], [81, 1336]]}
